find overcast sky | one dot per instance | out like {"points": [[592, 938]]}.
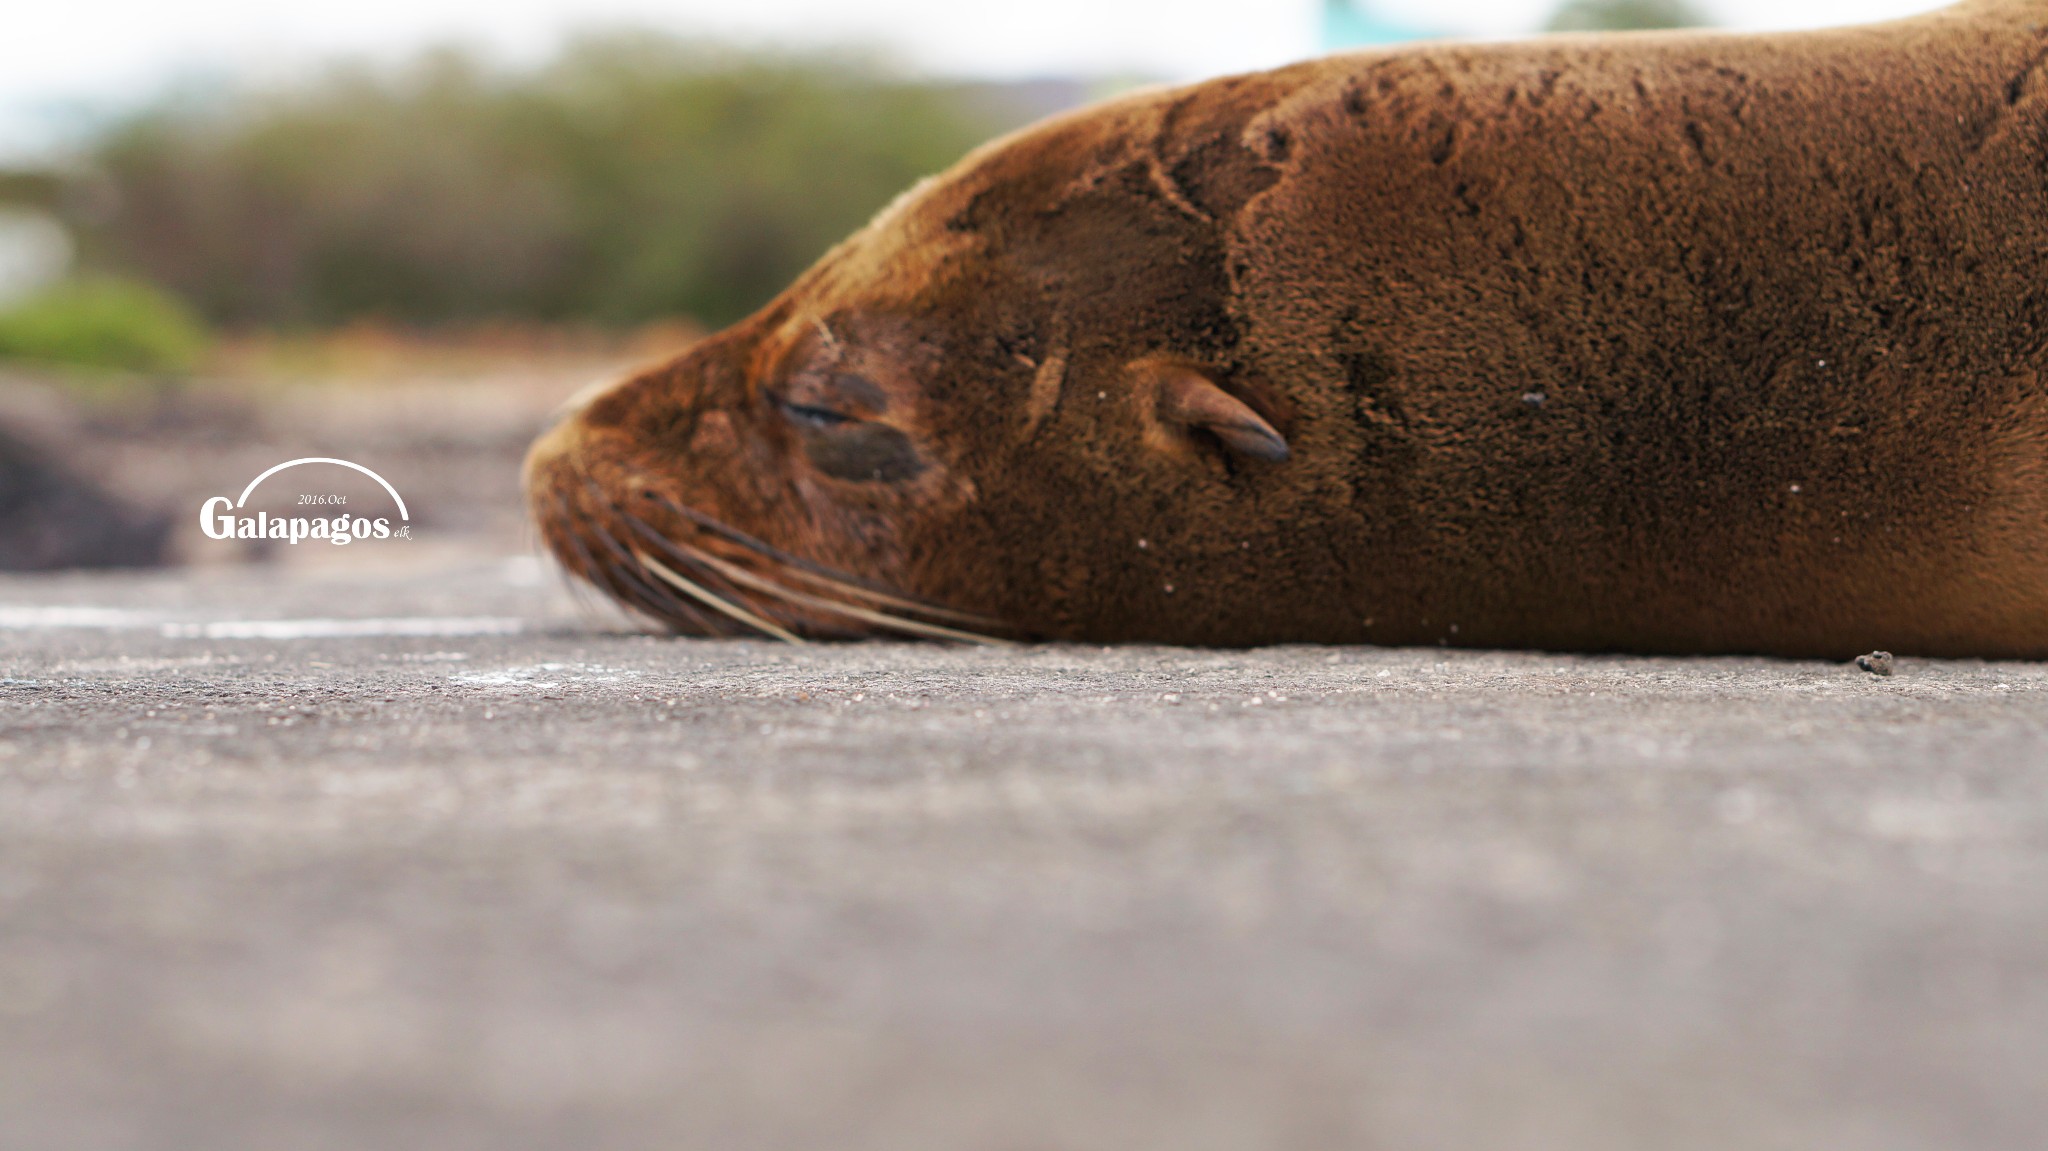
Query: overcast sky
{"points": [[63, 58]]}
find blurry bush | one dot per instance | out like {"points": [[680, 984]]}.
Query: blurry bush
{"points": [[1624, 16], [104, 322], [632, 177]]}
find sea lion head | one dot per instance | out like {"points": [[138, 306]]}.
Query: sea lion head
{"points": [[996, 409], [1652, 343]]}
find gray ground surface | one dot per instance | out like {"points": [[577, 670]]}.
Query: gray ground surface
{"points": [[264, 887]]}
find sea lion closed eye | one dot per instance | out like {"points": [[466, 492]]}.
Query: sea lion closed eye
{"points": [[1667, 342]]}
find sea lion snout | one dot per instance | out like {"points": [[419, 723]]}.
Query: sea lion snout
{"points": [[756, 484]]}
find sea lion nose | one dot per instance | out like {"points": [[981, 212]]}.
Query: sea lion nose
{"points": [[662, 411], [555, 447]]}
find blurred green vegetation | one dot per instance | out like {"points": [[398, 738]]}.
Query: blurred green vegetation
{"points": [[36, 189], [630, 178], [1624, 16], [104, 323]]}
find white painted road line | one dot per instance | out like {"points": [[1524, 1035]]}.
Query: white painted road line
{"points": [[19, 617]]}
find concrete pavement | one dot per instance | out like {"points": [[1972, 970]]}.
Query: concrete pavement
{"points": [[280, 869]]}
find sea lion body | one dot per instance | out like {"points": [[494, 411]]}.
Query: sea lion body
{"points": [[1665, 342]]}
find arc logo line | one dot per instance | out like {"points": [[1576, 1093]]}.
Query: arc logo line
{"points": [[395, 497]]}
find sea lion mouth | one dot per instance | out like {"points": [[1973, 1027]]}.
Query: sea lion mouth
{"points": [[696, 575]]}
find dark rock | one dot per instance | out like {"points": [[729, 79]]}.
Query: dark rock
{"points": [[52, 518]]}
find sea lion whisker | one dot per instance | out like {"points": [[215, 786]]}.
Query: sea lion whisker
{"points": [[638, 595], [716, 578], [700, 557], [724, 602], [713, 601], [731, 534], [588, 567], [651, 595], [668, 606], [589, 599], [796, 567], [745, 578], [625, 579], [854, 611], [886, 600]]}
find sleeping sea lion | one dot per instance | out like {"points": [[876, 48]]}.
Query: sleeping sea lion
{"points": [[1653, 342]]}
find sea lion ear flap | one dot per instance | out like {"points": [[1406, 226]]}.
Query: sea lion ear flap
{"points": [[1192, 400]]}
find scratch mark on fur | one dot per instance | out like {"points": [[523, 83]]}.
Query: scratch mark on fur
{"points": [[1160, 172], [1047, 384], [2014, 93], [1170, 190], [2017, 86]]}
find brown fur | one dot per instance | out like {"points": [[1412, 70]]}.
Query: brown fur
{"points": [[1667, 342]]}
